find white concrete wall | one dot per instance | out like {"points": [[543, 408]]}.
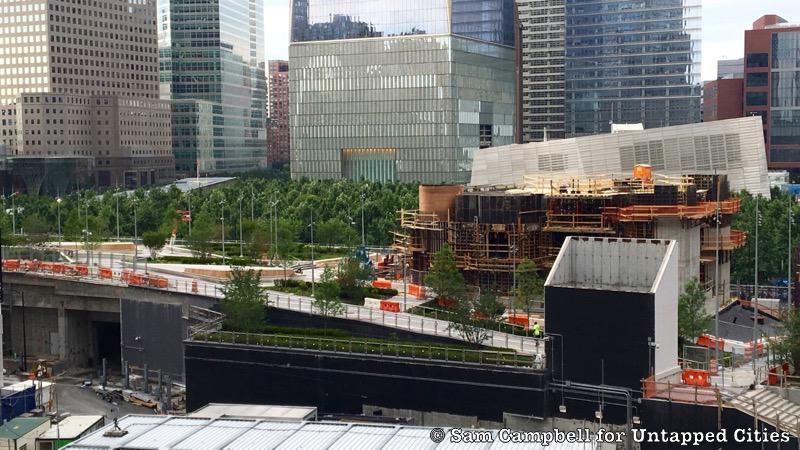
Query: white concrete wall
{"points": [[666, 315], [610, 264], [688, 244]]}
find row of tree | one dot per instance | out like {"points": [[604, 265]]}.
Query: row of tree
{"points": [[258, 210]]}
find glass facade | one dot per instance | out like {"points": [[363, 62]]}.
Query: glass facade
{"points": [[785, 107], [631, 62], [403, 108], [213, 51], [325, 20]]}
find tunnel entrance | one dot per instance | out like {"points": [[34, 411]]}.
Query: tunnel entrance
{"points": [[107, 338]]}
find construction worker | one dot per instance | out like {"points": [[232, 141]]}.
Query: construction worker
{"points": [[537, 330]]}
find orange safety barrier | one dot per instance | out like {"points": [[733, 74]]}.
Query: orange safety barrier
{"points": [[58, 268], [380, 283], [46, 266], [136, 279], [126, 275], [32, 265], [523, 321], [695, 377], [194, 286], [105, 273], [11, 264], [159, 282], [387, 305], [708, 341], [773, 374], [416, 290], [82, 271]]}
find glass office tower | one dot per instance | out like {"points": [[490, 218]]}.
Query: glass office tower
{"points": [[401, 90], [212, 59], [631, 62]]}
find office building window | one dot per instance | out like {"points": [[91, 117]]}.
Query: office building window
{"points": [[756, 99], [757, 79], [758, 60]]}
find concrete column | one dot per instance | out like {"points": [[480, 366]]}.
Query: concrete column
{"points": [[62, 332]]}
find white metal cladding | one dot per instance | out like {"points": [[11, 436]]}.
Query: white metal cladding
{"points": [[168, 433], [734, 147]]}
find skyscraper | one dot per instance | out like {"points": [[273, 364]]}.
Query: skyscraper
{"points": [[278, 112], [623, 62], [79, 88], [212, 68], [772, 87], [399, 89]]}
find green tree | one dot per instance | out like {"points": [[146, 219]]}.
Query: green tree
{"points": [[471, 313], [327, 296], [692, 318], [35, 228], [530, 287], [202, 235], [335, 231], [787, 347], [244, 300], [154, 241], [444, 278], [353, 275], [259, 239]]}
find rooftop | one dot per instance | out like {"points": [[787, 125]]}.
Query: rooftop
{"points": [[269, 412], [167, 433], [19, 427], [71, 427]]}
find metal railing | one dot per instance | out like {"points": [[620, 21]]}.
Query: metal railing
{"points": [[373, 347], [411, 322], [403, 321]]}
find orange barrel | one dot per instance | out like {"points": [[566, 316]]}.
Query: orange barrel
{"points": [[194, 286]]}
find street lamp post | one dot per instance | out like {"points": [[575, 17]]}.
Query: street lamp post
{"points": [[86, 232], [790, 271], [275, 221], [58, 214], [363, 236], [222, 218], [405, 284], [754, 355], [313, 265], [241, 237], [117, 197], [252, 203], [13, 214], [135, 237]]}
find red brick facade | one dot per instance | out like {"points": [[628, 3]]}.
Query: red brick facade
{"points": [[722, 99]]}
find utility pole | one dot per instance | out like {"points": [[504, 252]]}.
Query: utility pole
{"points": [[754, 353], [313, 279]]}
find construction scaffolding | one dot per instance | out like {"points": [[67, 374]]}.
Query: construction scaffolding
{"points": [[491, 231]]}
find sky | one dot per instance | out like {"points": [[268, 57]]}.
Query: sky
{"points": [[724, 22]]}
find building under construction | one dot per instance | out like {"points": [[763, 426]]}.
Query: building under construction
{"points": [[492, 230]]}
